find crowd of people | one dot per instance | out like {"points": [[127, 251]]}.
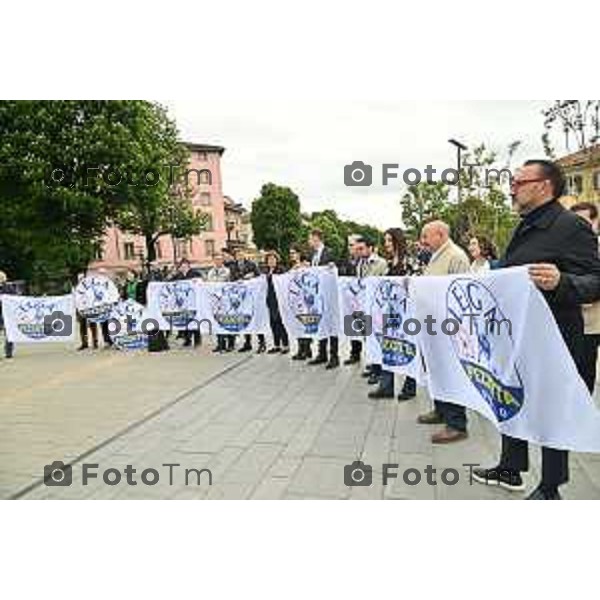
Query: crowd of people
{"points": [[559, 245]]}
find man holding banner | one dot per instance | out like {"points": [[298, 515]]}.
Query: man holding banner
{"points": [[562, 252]]}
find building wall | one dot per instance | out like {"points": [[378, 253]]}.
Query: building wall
{"points": [[117, 243]]}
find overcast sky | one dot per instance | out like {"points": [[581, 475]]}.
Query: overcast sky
{"points": [[306, 145]]}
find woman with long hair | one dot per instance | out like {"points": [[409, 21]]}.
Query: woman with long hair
{"points": [[281, 341], [482, 252]]}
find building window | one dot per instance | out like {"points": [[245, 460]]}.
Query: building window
{"points": [[204, 176], [129, 250], [205, 198], [202, 156], [597, 180], [209, 248], [575, 185], [99, 253], [208, 226]]}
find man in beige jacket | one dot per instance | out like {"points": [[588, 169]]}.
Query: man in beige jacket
{"points": [[447, 259], [591, 312]]}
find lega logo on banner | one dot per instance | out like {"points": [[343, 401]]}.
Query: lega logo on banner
{"points": [[32, 316], [306, 300], [397, 349], [233, 308], [95, 297], [485, 347], [177, 303]]}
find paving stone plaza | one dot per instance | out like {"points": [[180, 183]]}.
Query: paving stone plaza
{"points": [[245, 426]]}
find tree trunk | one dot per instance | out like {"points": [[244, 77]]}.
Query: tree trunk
{"points": [[150, 248]]}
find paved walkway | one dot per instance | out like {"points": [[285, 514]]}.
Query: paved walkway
{"points": [[265, 427]]}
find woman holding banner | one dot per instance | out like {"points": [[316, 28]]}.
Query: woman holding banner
{"points": [[281, 341]]}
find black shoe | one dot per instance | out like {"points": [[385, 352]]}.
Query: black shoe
{"points": [[262, 348], [186, 344], [352, 360], [82, 347], [509, 480], [373, 379], [366, 373], [285, 350], [334, 363], [380, 394], [245, 348], [273, 350], [300, 356], [543, 492], [319, 360], [403, 396], [218, 350]]}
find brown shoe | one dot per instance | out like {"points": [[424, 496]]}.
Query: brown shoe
{"points": [[448, 436], [431, 418]]}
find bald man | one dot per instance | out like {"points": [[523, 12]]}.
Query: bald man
{"points": [[447, 259]]}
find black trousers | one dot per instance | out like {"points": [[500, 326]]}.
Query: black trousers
{"points": [[589, 361], [555, 463], [280, 335], [248, 339], [454, 416], [355, 348], [333, 347]]}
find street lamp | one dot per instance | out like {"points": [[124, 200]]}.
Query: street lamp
{"points": [[459, 148]]}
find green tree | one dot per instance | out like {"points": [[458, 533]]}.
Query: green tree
{"points": [[276, 219], [424, 202], [58, 185]]}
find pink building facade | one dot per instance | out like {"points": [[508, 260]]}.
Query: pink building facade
{"points": [[122, 251]]}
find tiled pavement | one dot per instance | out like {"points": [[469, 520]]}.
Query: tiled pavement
{"points": [[266, 428]]}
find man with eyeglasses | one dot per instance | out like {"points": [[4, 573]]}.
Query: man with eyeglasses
{"points": [[562, 252]]}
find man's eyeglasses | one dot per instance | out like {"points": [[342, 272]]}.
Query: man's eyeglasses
{"points": [[519, 183]]}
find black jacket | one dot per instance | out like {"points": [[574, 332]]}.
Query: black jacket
{"points": [[240, 270], [325, 259], [552, 234]]}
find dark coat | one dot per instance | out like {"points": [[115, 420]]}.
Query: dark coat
{"points": [[326, 257], [271, 295], [552, 234], [240, 270]]}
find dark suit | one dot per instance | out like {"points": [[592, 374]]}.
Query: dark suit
{"points": [[552, 234], [316, 260]]}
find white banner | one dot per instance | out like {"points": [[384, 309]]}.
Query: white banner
{"points": [[235, 307], [95, 297], [36, 320], [125, 326], [353, 303], [174, 304], [522, 378], [308, 302], [393, 341]]}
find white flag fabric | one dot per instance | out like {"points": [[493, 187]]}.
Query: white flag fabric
{"points": [[125, 326], [235, 307], [393, 341], [174, 304], [353, 303], [95, 297], [308, 302], [522, 378], [37, 320]]}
